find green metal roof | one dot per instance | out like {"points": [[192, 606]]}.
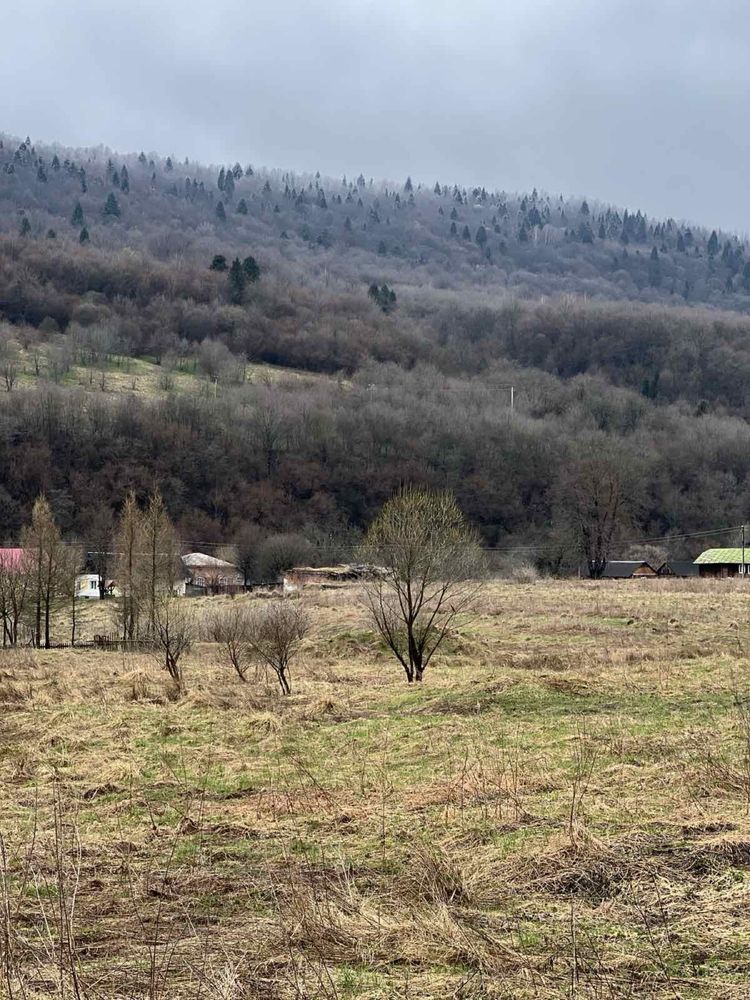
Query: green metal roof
{"points": [[720, 556]]}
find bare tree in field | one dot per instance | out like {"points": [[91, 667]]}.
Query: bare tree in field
{"points": [[431, 571], [597, 497], [161, 555], [174, 633], [274, 633], [47, 561], [15, 596], [230, 627], [128, 567]]}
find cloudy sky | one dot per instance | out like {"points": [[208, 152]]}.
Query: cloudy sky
{"points": [[636, 102]]}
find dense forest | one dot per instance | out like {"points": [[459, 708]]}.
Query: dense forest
{"points": [[401, 314]]}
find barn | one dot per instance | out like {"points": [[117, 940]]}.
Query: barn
{"points": [[627, 569], [724, 563]]}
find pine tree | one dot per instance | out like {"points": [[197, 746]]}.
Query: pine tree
{"points": [[51, 234], [83, 236], [713, 244], [251, 269], [229, 185], [219, 263], [55, 162], [408, 186], [481, 236], [124, 180], [585, 207], [76, 218], [242, 207], [237, 281], [654, 269], [169, 166], [466, 233], [25, 229], [111, 207], [221, 213]]}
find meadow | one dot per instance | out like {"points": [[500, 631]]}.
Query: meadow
{"points": [[561, 809]]}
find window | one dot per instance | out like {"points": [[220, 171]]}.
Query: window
{"points": [[94, 585]]}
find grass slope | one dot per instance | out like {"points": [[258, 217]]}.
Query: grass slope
{"points": [[560, 811]]}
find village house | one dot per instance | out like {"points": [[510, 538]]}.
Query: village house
{"points": [[627, 569], [324, 576], [206, 574], [678, 567], [724, 562]]}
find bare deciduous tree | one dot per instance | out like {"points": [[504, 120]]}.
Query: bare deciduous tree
{"points": [[230, 627], [274, 633], [429, 571], [15, 596], [48, 563], [174, 633], [596, 493]]}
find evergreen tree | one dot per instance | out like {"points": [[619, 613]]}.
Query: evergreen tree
{"points": [[25, 229], [382, 248], [124, 180], [169, 166], [250, 269], [229, 185], [41, 174], [466, 233], [408, 186], [83, 236], [51, 234], [237, 281], [221, 214], [713, 244], [585, 207], [242, 207], [55, 162], [481, 236], [219, 263], [654, 269], [111, 208]]}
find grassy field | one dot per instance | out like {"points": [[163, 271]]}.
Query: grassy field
{"points": [[562, 809], [140, 377]]}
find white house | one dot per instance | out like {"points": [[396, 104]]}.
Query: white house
{"points": [[87, 585]]}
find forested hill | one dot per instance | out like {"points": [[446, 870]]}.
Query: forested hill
{"points": [[348, 229], [279, 353]]}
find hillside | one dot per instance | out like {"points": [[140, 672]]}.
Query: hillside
{"points": [[290, 358], [356, 229]]}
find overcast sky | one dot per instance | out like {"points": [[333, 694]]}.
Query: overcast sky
{"points": [[643, 103]]}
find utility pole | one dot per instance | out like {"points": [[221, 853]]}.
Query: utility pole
{"points": [[742, 567]]}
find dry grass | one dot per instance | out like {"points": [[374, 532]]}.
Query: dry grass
{"points": [[561, 810]]}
